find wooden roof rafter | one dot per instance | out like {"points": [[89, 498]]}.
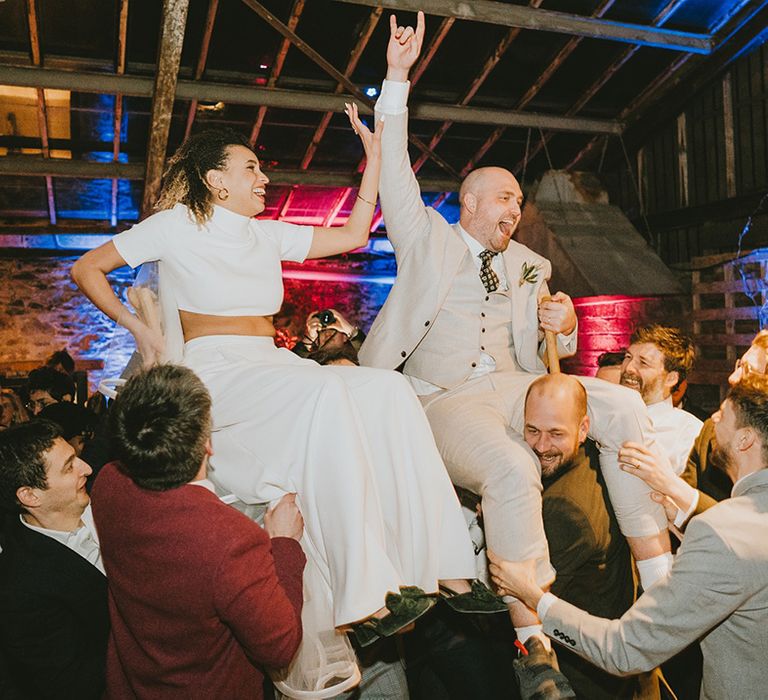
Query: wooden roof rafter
{"points": [[740, 31], [117, 119], [318, 59], [418, 70], [277, 67], [666, 12], [42, 111], [363, 38], [526, 17], [479, 79], [568, 48], [202, 59], [174, 20]]}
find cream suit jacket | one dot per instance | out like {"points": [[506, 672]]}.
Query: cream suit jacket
{"points": [[717, 591], [429, 252]]}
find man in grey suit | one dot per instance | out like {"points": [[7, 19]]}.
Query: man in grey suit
{"points": [[466, 319], [717, 589]]}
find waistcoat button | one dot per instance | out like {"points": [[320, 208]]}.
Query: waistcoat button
{"points": [[403, 353]]}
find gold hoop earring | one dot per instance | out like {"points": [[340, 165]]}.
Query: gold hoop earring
{"points": [[223, 194]]}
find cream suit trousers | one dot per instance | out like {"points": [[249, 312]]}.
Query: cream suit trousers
{"points": [[478, 429]]}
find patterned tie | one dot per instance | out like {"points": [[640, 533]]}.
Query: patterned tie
{"points": [[488, 277]]}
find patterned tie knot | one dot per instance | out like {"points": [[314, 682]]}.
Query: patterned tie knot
{"points": [[488, 277]]}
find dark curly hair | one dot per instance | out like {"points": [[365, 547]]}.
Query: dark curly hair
{"points": [[159, 425], [22, 459], [184, 181]]}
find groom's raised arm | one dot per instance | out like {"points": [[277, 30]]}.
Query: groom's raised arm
{"points": [[405, 215]]}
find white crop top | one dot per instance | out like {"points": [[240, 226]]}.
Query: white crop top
{"points": [[228, 267]]}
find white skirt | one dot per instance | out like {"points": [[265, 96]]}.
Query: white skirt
{"points": [[354, 444]]}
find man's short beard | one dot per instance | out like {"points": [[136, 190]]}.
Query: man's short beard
{"points": [[566, 463], [721, 456]]}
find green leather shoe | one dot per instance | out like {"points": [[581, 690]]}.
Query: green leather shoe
{"points": [[480, 599], [404, 608]]}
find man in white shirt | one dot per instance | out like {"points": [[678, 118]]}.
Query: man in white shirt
{"points": [[53, 592], [657, 360]]}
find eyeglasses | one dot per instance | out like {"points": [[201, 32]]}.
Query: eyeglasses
{"points": [[38, 404]]}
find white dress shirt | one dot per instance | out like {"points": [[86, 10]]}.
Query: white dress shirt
{"points": [[675, 431], [83, 541]]}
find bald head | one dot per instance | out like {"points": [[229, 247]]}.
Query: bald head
{"points": [[556, 421], [490, 200], [561, 390]]}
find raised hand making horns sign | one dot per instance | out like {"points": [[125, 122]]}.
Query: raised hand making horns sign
{"points": [[404, 47]]}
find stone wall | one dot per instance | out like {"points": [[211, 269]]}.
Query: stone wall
{"points": [[41, 310]]}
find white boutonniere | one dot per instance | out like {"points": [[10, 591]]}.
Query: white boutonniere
{"points": [[529, 273]]}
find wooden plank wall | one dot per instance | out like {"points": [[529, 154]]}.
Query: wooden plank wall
{"points": [[703, 174]]}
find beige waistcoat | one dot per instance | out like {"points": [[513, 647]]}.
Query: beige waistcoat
{"points": [[482, 322]]}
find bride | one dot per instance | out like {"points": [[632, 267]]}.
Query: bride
{"points": [[380, 512]]}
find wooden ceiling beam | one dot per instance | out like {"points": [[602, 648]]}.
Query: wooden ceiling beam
{"points": [[666, 12], [202, 59], [490, 63], [313, 55], [685, 76], [32, 166], [544, 77], [173, 24], [295, 99], [277, 68], [509, 15], [354, 57], [42, 112], [117, 121]]}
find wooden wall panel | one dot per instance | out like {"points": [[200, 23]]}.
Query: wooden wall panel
{"points": [[718, 203]]}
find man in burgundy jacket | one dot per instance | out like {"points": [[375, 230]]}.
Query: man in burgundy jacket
{"points": [[200, 597]]}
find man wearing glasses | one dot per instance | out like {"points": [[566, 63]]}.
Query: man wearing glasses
{"points": [[46, 386]]}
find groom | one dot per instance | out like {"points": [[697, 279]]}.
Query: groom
{"points": [[465, 320]]}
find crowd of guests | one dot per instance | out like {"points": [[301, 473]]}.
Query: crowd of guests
{"points": [[56, 639]]}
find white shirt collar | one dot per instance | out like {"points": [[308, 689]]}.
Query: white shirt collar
{"points": [[205, 483], [475, 247], [83, 540], [64, 536], [661, 405]]}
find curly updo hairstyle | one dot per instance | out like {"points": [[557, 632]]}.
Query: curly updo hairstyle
{"points": [[184, 181]]}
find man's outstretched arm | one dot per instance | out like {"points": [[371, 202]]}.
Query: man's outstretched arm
{"points": [[404, 212]]}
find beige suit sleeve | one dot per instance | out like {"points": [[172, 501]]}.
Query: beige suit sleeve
{"points": [[702, 589], [405, 215]]}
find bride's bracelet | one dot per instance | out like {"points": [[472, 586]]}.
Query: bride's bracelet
{"points": [[367, 201]]}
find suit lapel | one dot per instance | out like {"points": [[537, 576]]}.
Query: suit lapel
{"points": [[40, 545], [455, 251], [513, 262]]}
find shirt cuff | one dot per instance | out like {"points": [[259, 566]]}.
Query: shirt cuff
{"points": [[545, 603], [568, 337], [393, 98], [682, 517]]}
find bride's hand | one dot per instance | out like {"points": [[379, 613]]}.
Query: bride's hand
{"points": [[371, 141]]}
